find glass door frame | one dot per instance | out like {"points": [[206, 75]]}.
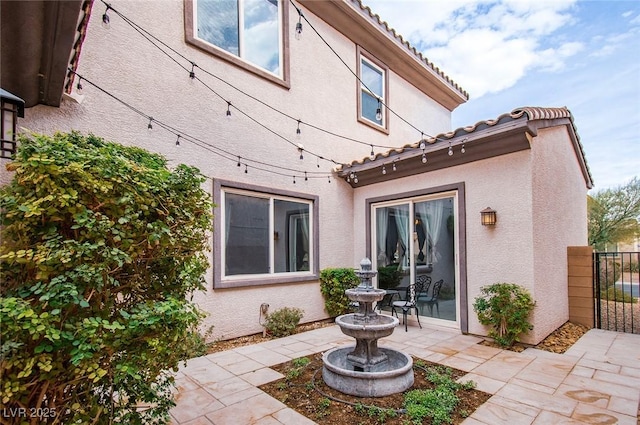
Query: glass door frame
{"points": [[454, 191]]}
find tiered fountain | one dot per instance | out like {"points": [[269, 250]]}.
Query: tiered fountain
{"points": [[367, 370]]}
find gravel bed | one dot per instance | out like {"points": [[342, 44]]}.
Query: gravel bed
{"points": [[620, 317]]}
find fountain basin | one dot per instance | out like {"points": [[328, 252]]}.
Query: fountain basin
{"points": [[365, 296], [389, 377], [357, 327]]}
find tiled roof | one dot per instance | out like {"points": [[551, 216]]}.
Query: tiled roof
{"points": [[460, 135], [391, 31]]}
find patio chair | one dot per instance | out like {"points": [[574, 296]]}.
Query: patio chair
{"points": [[407, 304], [423, 282], [434, 297]]}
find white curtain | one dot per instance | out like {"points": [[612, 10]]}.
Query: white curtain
{"points": [[304, 221], [435, 211], [421, 212], [382, 225], [402, 224]]}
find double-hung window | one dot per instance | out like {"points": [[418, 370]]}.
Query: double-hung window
{"points": [[248, 33], [372, 91], [265, 237]]}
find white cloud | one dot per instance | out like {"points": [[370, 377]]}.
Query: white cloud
{"points": [[485, 46]]}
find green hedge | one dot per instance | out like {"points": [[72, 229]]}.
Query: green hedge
{"points": [[333, 283]]}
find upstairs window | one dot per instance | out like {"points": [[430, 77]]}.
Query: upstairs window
{"points": [[248, 33], [373, 91]]}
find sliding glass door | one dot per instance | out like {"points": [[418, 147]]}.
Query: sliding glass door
{"points": [[414, 243]]}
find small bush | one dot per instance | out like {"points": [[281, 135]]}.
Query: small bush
{"points": [[333, 283], [389, 277], [617, 294], [506, 308], [282, 322]]}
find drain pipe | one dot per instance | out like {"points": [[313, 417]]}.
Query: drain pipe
{"points": [[264, 312]]}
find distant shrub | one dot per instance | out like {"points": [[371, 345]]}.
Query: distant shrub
{"points": [[617, 294]]}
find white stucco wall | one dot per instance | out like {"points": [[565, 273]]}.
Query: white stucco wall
{"points": [[322, 92], [559, 220]]}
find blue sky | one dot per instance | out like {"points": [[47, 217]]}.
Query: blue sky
{"points": [[584, 55]]}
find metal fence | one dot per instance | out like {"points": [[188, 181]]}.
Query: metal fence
{"points": [[617, 291]]}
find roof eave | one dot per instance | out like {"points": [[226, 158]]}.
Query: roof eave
{"points": [[365, 29], [504, 138]]}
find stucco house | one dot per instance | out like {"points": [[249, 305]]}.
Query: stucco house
{"points": [[327, 138]]}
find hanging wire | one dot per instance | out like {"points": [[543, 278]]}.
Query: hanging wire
{"points": [[154, 40], [356, 75], [183, 136]]}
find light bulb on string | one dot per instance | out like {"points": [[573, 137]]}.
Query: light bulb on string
{"points": [[192, 74], [329, 177], [238, 162], [462, 149], [298, 131], [423, 143], [228, 109], [299, 26], [384, 170], [394, 167], [305, 177], [178, 140], [372, 155], [246, 169], [150, 125], [106, 22], [294, 179], [301, 150], [318, 162], [79, 86], [450, 150], [379, 111], [424, 158], [355, 178]]}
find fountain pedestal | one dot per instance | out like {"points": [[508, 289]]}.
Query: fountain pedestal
{"points": [[367, 370]]}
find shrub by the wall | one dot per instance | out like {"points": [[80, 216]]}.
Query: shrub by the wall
{"points": [[102, 246], [506, 308], [283, 322], [333, 283]]}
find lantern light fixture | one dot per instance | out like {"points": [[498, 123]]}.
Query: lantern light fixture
{"points": [[488, 217]]}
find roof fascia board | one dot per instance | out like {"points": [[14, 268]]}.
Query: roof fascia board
{"points": [[509, 137], [367, 33]]}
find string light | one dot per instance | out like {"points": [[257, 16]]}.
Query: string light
{"points": [[462, 149], [246, 169], [423, 143], [355, 178], [379, 111], [450, 150], [372, 155], [192, 73], [384, 170], [294, 179], [238, 162], [150, 125], [329, 177], [178, 141], [301, 150], [79, 86], [299, 26], [298, 131], [106, 24], [424, 158], [228, 109], [305, 177], [394, 167]]}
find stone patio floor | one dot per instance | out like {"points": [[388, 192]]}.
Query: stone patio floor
{"points": [[597, 381]]}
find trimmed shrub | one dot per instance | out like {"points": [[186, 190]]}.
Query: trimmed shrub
{"points": [[102, 245], [333, 283], [506, 308], [283, 322]]}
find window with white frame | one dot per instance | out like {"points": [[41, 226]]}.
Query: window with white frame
{"points": [[248, 30], [265, 236], [373, 91]]}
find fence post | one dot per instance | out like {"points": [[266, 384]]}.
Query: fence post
{"points": [[580, 281]]}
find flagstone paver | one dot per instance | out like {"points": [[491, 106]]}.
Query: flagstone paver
{"points": [[597, 381]]}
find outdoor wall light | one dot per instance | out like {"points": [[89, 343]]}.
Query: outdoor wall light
{"points": [[488, 217], [12, 107]]}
